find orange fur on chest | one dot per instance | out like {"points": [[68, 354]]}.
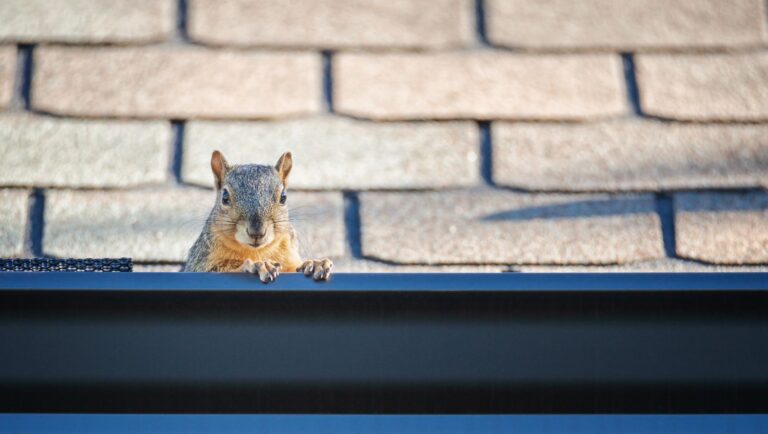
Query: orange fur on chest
{"points": [[228, 255]]}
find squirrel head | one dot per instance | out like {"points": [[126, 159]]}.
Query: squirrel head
{"points": [[251, 200]]}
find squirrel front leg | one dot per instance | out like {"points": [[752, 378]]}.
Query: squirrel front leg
{"points": [[267, 270], [319, 269]]}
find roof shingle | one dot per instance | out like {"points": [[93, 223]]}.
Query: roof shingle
{"points": [[629, 155], [339, 153], [86, 21], [627, 25], [723, 228], [44, 151], [13, 220], [704, 87], [332, 23], [500, 227], [175, 83], [480, 85], [7, 74]]}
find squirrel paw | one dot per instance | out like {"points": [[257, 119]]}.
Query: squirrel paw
{"points": [[267, 271], [319, 269]]}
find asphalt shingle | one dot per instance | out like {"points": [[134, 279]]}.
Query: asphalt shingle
{"points": [[501, 227], [319, 222], [354, 265], [175, 83], [7, 74], [86, 21], [704, 87], [45, 151], [626, 25], [144, 225], [667, 265], [13, 219], [480, 85], [723, 228], [161, 225], [629, 155], [338, 153], [157, 268], [332, 23]]}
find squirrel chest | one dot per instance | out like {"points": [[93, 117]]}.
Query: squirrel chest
{"points": [[228, 255]]}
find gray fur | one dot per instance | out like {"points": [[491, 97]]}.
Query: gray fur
{"points": [[196, 258], [253, 188]]}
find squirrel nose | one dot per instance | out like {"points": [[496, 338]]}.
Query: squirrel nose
{"points": [[256, 233]]}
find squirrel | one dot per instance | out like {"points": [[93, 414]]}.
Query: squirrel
{"points": [[248, 229]]}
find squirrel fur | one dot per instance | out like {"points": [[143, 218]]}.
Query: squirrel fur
{"points": [[248, 229]]}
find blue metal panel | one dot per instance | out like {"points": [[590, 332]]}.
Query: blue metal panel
{"points": [[337, 424], [390, 282], [373, 343]]}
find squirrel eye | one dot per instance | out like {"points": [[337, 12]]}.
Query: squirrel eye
{"points": [[283, 198], [225, 197]]}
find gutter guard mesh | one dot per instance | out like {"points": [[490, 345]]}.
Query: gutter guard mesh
{"points": [[67, 265]]}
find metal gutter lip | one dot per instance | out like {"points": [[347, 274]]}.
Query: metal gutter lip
{"points": [[392, 282]]}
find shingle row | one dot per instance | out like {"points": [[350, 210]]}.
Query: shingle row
{"points": [[340, 153], [194, 83], [466, 227], [436, 24]]}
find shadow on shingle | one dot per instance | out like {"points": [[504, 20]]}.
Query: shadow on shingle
{"points": [[743, 201], [578, 209], [722, 201]]}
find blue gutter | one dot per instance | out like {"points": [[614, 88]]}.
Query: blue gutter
{"points": [[376, 343]]}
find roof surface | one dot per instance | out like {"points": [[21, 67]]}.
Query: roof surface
{"points": [[457, 135]]}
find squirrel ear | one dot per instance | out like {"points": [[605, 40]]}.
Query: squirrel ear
{"points": [[284, 165], [220, 167]]}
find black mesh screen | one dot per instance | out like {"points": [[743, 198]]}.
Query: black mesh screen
{"points": [[88, 265]]}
